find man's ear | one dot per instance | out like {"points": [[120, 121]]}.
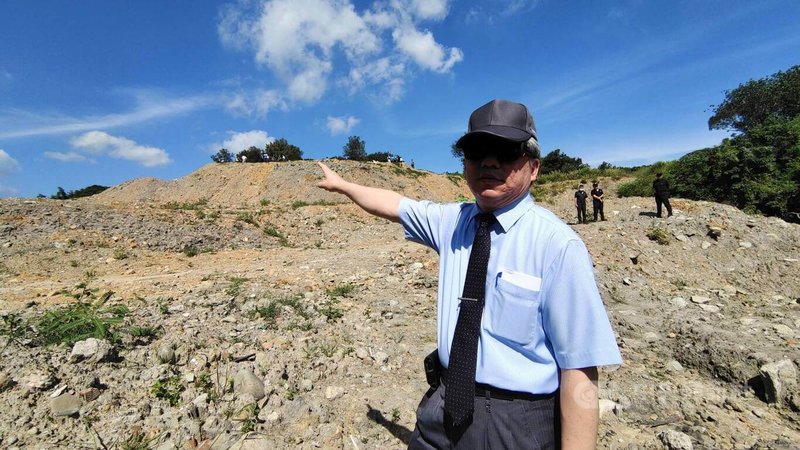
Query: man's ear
{"points": [[535, 164]]}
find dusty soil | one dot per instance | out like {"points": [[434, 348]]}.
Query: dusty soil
{"points": [[201, 260]]}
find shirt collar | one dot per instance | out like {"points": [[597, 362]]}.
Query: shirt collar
{"points": [[508, 215]]}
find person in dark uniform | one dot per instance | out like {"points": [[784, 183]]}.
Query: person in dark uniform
{"points": [[597, 201], [661, 192], [580, 203]]}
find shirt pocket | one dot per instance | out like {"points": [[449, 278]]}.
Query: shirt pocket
{"points": [[515, 312]]}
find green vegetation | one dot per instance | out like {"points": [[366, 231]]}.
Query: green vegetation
{"points": [[84, 192], [235, 288], [659, 234], [169, 390], [272, 310], [247, 217], [355, 149], [758, 169], [270, 230], [65, 325], [343, 290], [200, 204], [249, 417], [455, 177], [300, 203]]}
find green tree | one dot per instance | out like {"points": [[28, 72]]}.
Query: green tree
{"points": [[751, 104], [281, 149], [222, 156], [558, 161], [60, 194], [355, 149], [253, 155]]}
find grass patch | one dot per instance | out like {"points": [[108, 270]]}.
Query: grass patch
{"points": [[343, 290], [235, 288], [330, 310], [659, 234], [169, 390], [66, 325], [270, 230], [247, 217], [300, 203], [455, 177], [200, 204], [120, 254], [271, 312]]}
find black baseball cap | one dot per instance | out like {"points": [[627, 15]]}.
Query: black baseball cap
{"points": [[501, 119]]}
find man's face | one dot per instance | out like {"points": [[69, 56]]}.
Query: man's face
{"points": [[497, 181]]}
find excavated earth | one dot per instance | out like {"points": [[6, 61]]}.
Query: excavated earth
{"points": [[264, 312]]}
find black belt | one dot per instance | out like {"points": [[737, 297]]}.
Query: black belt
{"points": [[489, 391]]}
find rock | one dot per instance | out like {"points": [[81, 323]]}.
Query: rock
{"points": [[709, 308], [166, 354], [745, 244], [333, 392], [651, 337], [362, 353], [783, 330], [673, 367], [6, 382], [778, 377], [699, 299], [678, 301], [705, 245], [39, 380], [65, 405], [607, 407], [381, 357], [246, 382], [675, 440], [96, 350]]}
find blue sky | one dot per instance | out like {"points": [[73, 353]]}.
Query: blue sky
{"points": [[99, 92]]}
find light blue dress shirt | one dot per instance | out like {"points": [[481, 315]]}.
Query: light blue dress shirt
{"points": [[543, 311]]}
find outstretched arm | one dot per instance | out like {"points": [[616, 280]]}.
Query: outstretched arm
{"points": [[378, 202]]}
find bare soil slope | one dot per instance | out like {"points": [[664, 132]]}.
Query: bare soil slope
{"points": [[264, 311]]}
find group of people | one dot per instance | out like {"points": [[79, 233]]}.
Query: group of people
{"points": [[660, 191], [597, 201]]}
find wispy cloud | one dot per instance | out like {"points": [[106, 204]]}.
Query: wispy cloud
{"points": [[16, 123], [238, 141], [298, 40], [341, 125], [99, 143], [66, 156], [646, 150], [7, 163]]}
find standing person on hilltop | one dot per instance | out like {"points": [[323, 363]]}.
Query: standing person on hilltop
{"points": [[661, 192], [597, 201], [519, 346], [580, 203]]}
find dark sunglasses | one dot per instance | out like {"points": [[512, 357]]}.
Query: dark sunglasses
{"points": [[503, 153]]}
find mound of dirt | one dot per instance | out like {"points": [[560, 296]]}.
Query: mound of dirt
{"points": [[236, 184]]}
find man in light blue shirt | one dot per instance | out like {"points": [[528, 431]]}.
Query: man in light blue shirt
{"points": [[543, 330]]}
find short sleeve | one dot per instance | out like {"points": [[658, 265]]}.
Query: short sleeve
{"points": [[421, 222], [573, 315]]}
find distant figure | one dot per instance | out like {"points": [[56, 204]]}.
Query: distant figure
{"points": [[283, 157], [597, 201], [400, 161], [244, 158], [412, 163], [388, 159], [580, 203], [266, 157], [661, 192]]}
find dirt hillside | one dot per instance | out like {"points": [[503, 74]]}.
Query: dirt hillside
{"points": [[258, 311]]}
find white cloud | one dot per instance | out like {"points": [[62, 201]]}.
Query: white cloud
{"points": [[7, 163], [255, 103], [341, 125], [237, 142], [66, 156], [100, 143], [306, 42], [425, 51], [15, 123]]}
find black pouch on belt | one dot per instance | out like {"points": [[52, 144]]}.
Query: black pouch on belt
{"points": [[433, 369]]}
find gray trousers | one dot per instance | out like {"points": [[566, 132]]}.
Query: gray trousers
{"points": [[496, 424]]}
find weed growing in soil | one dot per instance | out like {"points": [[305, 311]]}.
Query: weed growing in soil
{"points": [[659, 234], [235, 288], [169, 390]]}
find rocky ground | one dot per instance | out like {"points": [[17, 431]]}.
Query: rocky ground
{"points": [[257, 310]]}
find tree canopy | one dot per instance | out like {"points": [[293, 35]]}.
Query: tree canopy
{"points": [[281, 149], [753, 103], [222, 156], [355, 149], [558, 161]]}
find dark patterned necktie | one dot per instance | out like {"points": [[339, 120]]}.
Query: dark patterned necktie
{"points": [[460, 394]]}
